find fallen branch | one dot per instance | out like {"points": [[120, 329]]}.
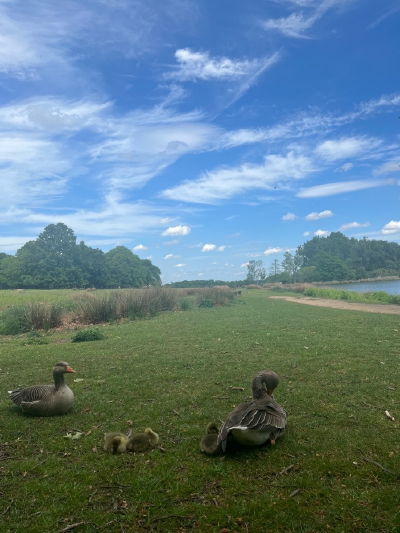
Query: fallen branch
{"points": [[285, 470], [380, 466]]}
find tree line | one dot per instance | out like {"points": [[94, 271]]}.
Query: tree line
{"points": [[332, 258], [55, 261]]}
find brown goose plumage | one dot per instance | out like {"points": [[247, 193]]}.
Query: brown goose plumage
{"points": [[46, 400], [253, 423]]}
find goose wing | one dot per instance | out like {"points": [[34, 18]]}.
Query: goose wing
{"points": [[264, 415], [31, 394]]}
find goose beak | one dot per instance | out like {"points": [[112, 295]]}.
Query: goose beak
{"points": [[69, 369]]}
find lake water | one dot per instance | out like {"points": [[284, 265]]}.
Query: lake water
{"points": [[391, 287]]}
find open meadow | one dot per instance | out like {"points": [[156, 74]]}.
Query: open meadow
{"points": [[336, 469]]}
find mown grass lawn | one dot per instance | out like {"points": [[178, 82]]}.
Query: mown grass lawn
{"points": [[339, 372]]}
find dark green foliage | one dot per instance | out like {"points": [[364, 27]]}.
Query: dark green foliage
{"points": [[87, 335], [55, 261], [205, 302], [337, 257]]}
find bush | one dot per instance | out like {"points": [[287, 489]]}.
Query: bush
{"points": [[87, 335], [32, 315], [205, 302], [185, 304]]}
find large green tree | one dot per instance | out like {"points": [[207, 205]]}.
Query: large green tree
{"points": [[124, 269]]}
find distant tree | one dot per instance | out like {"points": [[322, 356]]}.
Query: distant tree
{"points": [[255, 271], [275, 268], [288, 265], [152, 273], [92, 264], [124, 269], [49, 262]]}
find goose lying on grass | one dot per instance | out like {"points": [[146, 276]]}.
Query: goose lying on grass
{"points": [[253, 423], [141, 442], [208, 444], [115, 443], [46, 400]]}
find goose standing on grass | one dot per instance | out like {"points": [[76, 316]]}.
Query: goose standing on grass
{"points": [[209, 444], [253, 423], [46, 400]]}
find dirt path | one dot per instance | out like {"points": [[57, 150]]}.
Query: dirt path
{"points": [[340, 304]]}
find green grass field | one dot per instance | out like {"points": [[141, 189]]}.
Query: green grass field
{"points": [[339, 372]]}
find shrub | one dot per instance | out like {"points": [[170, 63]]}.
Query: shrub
{"points": [[205, 302], [32, 315], [86, 335], [185, 304]]}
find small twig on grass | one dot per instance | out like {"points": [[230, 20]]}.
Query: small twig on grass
{"points": [[389, 416], [221, 397], [172, 516], [72, 526], [176, 412], [41, 462], [294, 493], [235, 388], [285, 470], [378, 464], [7, 508]]}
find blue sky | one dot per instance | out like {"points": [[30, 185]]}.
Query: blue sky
{"points": [[200, 134]]}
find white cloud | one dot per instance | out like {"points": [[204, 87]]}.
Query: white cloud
{"points": [[180, 265], [317, 216], [171, 256], [392, 227], [330, 189], [345, 168], [224, 183], [390, 166], [289, 216], [292, 26], [353, 225], [177, 230], [346, 147], [199, 65], [321, 233], [306, 233], [209, 248], [271, 250], [221, 248], [139, 247]]}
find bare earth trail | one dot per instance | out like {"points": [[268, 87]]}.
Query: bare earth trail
{"points": [[340, 304]]}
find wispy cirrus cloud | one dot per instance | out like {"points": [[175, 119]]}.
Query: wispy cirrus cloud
{"points": [[296, 24], [330, 189], [194, 66], [216, 186]]}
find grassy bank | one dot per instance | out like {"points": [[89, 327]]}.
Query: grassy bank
{"points": [[339, 373]]}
